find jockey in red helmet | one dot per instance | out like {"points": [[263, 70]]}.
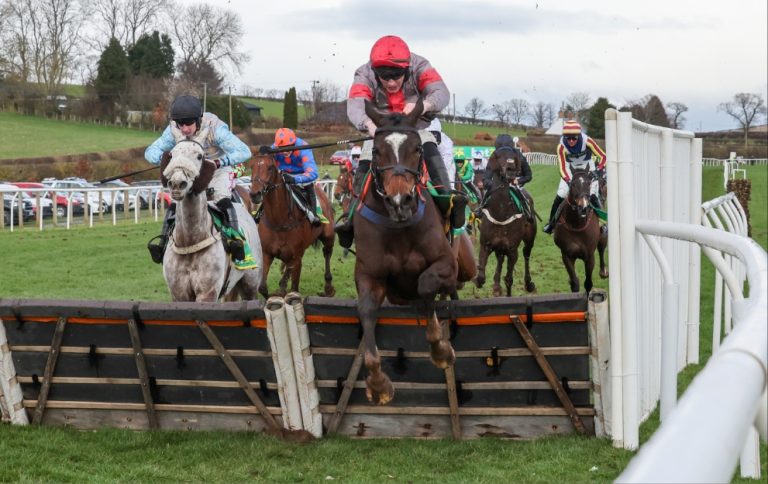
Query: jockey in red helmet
{"points": [[393, 79]]}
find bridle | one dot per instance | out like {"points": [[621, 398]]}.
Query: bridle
{"points": [[396, 168], [268, 187]]}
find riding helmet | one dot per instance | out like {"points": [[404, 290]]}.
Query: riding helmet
{"points": [[285, 137], [187, 107], [571, 127], [390, 51]]}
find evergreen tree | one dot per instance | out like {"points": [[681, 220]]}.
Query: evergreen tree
{"points": [[655, 113], [112, 75], [152, 56], [596, 118], [290, 109]]}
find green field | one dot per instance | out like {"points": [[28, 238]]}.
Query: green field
{"points": [[112, 263], [109, 262], [272, 108], [34, 136]]}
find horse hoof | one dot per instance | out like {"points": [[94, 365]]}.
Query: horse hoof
{"points": [[530, 287], [442, 355], [381, 395], [604, 274], [496, 291], [328, 292]]}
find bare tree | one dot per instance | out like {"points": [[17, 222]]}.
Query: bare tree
{"points": [[125, 20], [542, 114], [550, 114], [209, 34], [579, 103], [40, 40], [519, 109], [501, 112], [746, 108], [675, 113], [475, 108]]}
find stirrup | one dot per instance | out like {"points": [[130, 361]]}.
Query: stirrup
{"points": [[156, 247], [547, 229]]}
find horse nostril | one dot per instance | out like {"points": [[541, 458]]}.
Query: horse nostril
{"points": [[408, 198]]}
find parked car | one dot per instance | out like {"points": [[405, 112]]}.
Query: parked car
{"points": [[11, 204], [119, 196], [153, 189], [73, 184], [61, 200], [340, 157]]}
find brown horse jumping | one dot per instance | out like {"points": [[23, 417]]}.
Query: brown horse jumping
{"points": [[504, 224], [403, 253], [577, 232], [284, 229]]}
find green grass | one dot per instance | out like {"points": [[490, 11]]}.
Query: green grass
{"points": [[467, 132], [112, 263], [271, 108], [34, 136]]}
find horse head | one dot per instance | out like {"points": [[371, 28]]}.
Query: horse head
{"points": [[506, 163], [343, 184], [579, 190], [186, 172], [265, 177], [397, 160]]}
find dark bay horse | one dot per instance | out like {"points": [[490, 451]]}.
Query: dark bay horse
{"points": [[577, 232], [284, 229], [403, 253], [503, 223]]}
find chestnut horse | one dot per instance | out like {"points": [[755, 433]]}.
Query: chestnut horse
{"points": [[284, 229], [577, 232], [403, 252], [503, 223], [343, 191]]}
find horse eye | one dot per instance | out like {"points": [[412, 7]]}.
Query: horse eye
{"points": [[199, 157]]}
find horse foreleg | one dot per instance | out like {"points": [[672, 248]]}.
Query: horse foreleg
{"points": [[497, 275], [527, 248], [287, 269], [267, 261], [441, 351], [370, 294], [589, 266], [601, 245], [295, 274], [481, 262], [509, 278], [329, 290], [570, 267]]}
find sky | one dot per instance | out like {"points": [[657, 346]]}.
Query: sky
{"points": [[699, 53]]}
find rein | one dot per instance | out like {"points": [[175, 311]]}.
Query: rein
{"points": [[269, 187], [572, 228]]}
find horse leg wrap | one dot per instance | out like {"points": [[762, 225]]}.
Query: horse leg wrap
{"points": [[157, 245], [235, 245], [436, 169]]}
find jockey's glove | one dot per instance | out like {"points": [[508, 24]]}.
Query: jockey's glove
{"points": [[217, 162], [289, 179]]}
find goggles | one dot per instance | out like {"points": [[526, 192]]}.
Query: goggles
{"points": [[571, 138], [389, 73], [186, 121]]}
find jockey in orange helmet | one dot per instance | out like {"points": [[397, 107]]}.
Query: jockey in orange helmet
{"points": [[298, 167]]}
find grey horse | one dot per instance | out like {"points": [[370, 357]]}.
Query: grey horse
{"points": [[196, 266]]}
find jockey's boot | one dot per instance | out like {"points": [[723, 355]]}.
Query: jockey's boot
{"points": [[315, 212], [594, 200], [551, 224], [438, 174], [156, 245], [235, 246], [345, 230]]}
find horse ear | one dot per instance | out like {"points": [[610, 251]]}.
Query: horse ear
{"points": [[164, 160], [414, 115], [204, 178], [200, 137], [176, 132], [374, 113]]}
